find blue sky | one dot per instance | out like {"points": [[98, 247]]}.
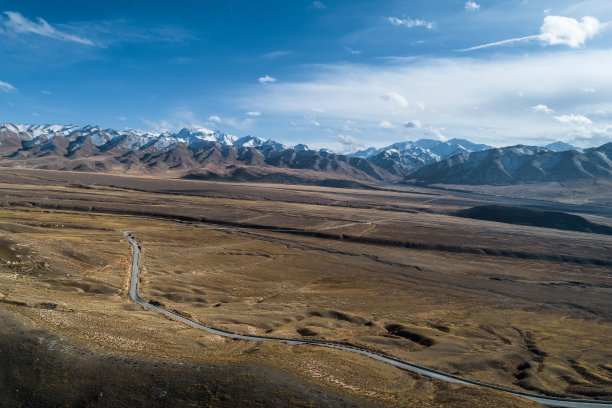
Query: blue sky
{"points": [[336, 74]]}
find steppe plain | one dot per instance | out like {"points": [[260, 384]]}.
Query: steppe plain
{"points": [[389, 269]]}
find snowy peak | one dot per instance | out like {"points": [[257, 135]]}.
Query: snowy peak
{"points": [[561, 147], [403, 158], [522, 150], [456, 146], [249, 141], [202, 134], [364, 154], [258, 143], [300, 146]]}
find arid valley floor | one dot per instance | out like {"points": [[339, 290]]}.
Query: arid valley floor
{"points": [[392, 270]]}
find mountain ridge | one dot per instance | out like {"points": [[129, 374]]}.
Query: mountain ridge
{"points": [[191, 153], [519, 164], [209, 154]]}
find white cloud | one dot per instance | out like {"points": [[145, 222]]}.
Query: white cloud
{"points": [[122, 118], [266, 79], [160, 126], [349, 129], [569, 31], [275, 54], [587, 90], [542, 109], [45, 92], [395, 97], [35, 114], [253, 113], [346, 140], [413, 124], [185, 118], [557, 30], [19, 24], [318, 110], [472, 6], [574, 120], [314, 122], [318, 5], [410, 23], [352, 51], [590, 135], [436, 133], [6, 87], [385, 125]]}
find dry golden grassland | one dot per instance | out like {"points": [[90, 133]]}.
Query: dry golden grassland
{"points": [[66, 273], [527, 321], [514, 323]]}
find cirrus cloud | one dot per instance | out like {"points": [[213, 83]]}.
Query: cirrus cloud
{"points": [[6, 87], [17, 23]]}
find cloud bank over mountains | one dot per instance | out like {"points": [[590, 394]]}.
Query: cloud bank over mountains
{"points": [[504, 96]]}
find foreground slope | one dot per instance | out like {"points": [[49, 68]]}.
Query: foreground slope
{"points": [[65, 273]]}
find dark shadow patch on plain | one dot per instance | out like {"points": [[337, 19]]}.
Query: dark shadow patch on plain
{"points": [[400, 330], [533, 218]]}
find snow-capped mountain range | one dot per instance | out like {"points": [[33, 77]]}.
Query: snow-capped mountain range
{"points": [[133, 139], [519, 164], [405, 157], [206, 153]]}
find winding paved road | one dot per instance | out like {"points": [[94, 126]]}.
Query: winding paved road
{"points": [[550, 401]]}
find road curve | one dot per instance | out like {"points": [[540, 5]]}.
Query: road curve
{"points": [[427, 372]]}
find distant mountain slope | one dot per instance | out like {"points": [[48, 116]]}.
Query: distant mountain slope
{"points": [[404, 158], [517, 164], [203, 153], [199, 153]]}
